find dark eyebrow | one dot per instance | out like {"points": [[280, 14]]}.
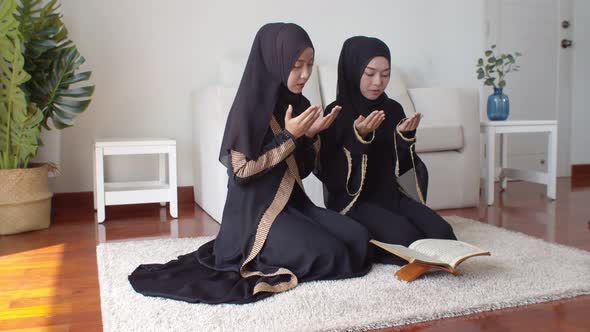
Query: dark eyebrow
{"points": [[376, 68]]}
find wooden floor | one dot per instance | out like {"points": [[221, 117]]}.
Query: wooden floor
{"points": [[49, 282]]}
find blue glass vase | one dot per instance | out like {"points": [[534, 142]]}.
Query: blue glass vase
{"points": [[498, 105]]}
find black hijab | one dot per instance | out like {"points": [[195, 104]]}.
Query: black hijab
{"points": [[356, 54], [263, 87]]}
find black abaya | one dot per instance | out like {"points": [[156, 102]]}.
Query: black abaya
{"points": [[360, 174], [272, 237]]}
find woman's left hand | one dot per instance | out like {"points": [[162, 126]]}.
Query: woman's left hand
{"points": [[411, 123], [323, 122]]}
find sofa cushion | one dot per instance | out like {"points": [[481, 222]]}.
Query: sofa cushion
{"points": [[439, 138], [231, 71], [396, 89]]}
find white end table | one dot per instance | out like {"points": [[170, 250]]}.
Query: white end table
{"points": [[119, 193], [491, 128]]}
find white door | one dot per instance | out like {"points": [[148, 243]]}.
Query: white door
{"points": [[537, 91], [580, 139]]}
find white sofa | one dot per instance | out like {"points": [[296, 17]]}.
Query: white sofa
{"points": [[447, 140]]}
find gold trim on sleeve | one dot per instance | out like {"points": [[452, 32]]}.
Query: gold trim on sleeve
{"points": [[291, 162], [243, 168], [363, 173], [359, 138], [413, 139], [412, 152]]}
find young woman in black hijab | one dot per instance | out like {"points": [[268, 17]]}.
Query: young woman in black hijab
{"points": [[272, 236], [368, 147]]}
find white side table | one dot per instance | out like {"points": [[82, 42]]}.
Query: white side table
{"points": [[491, 128], [119, 193]]}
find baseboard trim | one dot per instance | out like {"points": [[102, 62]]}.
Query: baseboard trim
{"points": [[85, 199]]}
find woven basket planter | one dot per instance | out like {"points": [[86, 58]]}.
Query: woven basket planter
{"points": [[25, 200]]}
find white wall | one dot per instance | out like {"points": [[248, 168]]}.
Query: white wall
{"points": [[147, 56], [580, 138]]}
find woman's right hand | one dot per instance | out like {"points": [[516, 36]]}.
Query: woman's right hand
{"points": [[366, 125], [299, 125]]}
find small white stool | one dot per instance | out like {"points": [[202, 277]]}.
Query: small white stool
{"points": [[492, 128], [119, 193]]}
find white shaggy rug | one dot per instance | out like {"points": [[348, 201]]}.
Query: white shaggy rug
{"points": [[521, 270]]}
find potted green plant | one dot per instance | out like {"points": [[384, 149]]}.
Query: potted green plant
{"points": [[39, 80], [493, 70]]}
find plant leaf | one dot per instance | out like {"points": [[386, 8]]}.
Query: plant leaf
{"points": [[34, 40], [19, 123], [53, 62], [82, 92]]}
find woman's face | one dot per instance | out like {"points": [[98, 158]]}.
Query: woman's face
{"points": [[375, 78], [301, 71]]}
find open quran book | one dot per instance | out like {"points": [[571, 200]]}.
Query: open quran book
{"points": [[431, 254]]}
